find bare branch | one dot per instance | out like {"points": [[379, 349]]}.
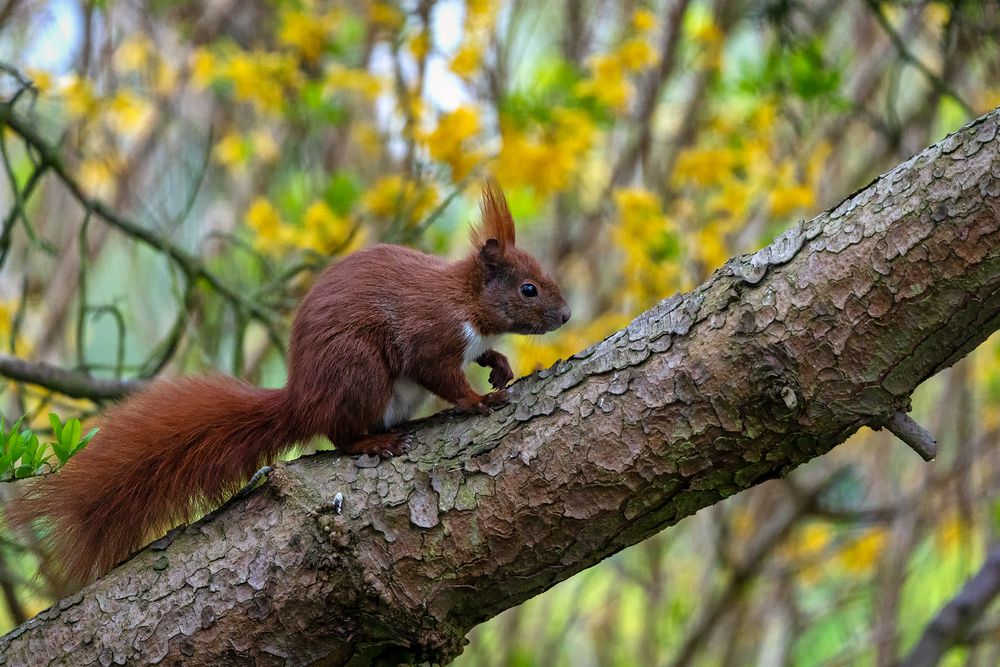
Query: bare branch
{"points": [[70, 383]]}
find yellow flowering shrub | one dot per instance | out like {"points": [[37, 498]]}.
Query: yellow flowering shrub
{"points": [[609, 73], [307, 32], [394, 198], [451, 141], [545, 158], [651, 246]]}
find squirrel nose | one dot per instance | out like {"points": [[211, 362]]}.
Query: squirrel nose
{"points": [[564, 314]]}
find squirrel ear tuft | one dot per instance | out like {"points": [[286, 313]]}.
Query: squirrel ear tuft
{"points": [[497, 221], [490, 257]]}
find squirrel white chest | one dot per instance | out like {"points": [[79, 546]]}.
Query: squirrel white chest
{"points": [[475, 342], [408, 396]]}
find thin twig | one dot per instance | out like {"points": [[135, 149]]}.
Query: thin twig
{"points": [[909, 57]]}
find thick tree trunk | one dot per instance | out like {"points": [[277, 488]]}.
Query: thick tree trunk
{"points": [[777, 358]]}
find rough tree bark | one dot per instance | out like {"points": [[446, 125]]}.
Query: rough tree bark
{"points": [[780, 356]]}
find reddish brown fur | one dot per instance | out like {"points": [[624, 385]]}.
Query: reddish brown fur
{"points": [[377, 316], [497, 223]]}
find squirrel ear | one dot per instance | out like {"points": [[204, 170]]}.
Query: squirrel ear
{"points": [[490, 257]]}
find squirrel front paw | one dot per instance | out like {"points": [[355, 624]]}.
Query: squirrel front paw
{"points": [[500, 371], [496, 399], [486, 403]]}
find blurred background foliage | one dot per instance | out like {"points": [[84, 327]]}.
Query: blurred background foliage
{"points": [[176, 172]]}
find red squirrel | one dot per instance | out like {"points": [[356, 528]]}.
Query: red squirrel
{"points": [[379, 331]]}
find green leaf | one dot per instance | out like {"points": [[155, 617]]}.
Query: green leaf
{"points": [[29, 445], [56, 425], [23, 471], [85, 439], [342, 191], [14, 446], [61, 451], [75, 430], [16, 426]]}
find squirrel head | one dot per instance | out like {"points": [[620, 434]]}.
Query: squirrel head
{"points": [[518, 295]]}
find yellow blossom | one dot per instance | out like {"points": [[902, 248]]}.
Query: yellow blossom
{"points": [[306, 32], [732, 200], [420, 45], [860, 555], [204, 68], [711, 247], [367, 138], [393, 196], [97, 177], [643, 20], [269, 229], [987, 99], [21, 346], [806, 548], [638, 206], [650, 243], [763, 117], [704, 166], [707, 32], [951, 532], [810, 540], [414, 106], [786, 199], [80, 99], [385, 14], [323, 231], [467, 59], [134, 54], [545, 159], [129, 113], [448, 142], [636, 54], [262, 78], [265, 148], [938, 14], [339, 78], [232, 151], [607, 83], [41, 79], [478, 9], [165, 78]]}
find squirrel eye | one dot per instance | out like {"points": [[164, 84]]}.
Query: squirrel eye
{"points": [[529, 290]]}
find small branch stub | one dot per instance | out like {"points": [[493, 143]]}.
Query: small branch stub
{"points": [[913, 434]]}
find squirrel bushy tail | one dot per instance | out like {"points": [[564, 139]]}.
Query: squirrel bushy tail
{"points": [[179, 446]]}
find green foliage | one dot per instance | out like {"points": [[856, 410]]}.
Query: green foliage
{"points": [[22, 454], [800, 69]]}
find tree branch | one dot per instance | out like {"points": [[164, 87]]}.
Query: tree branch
{"points": [[64, 381], [192, 267], [776, 359]]}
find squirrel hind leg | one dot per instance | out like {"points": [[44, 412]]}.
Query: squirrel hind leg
{"points": [[385, 445]]}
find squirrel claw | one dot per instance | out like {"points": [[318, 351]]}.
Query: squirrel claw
{"points": [[495, 399], [385, 445]]}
